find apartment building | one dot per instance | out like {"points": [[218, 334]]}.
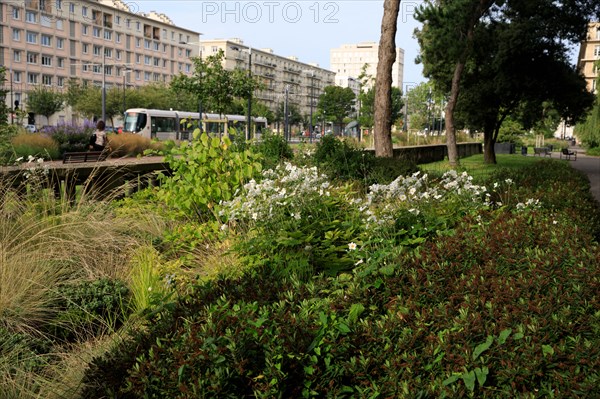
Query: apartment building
{"points": [[589, 56], [349, 59], [48, 42], [283, 77]]}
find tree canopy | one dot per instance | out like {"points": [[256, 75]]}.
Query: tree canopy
{"points": [[336, 103], [45, 101], [514, 57]]}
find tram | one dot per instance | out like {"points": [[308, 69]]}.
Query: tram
{"points": [[167, 125]]}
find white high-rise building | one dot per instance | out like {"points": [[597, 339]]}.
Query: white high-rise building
{"points": [[349, 59]]}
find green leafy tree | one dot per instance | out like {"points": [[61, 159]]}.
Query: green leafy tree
{"points": [[588, 131], [508, 56], [214, 86], [4, 110], [336, 103], [367, 107], [417, 106], [45, 101]]}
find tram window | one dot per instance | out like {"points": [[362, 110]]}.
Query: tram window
{"points": [[163, 124]]}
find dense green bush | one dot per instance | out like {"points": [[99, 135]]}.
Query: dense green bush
{"points": [[89, 308], [274, 149], [41, 146], [502, 303], [344, 161]]}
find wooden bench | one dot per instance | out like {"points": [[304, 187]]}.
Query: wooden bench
{"points": [[542, 151], [568, 154], [84, 156]]}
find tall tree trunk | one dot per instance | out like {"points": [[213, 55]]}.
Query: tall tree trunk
{"points": [[383, 82], [489, 140], [478, 12]]}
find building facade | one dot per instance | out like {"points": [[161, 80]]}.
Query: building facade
{"points": [[103, 42], [282, 77], [349, 60], [589, 56]]}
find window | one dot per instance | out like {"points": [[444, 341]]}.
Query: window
{"points": [[59, 24], [60, 43], [16, 35], [32, 78], [188, 68], [108, 52], [156, 62], [138, 59], [128, 23], [32, 58], [156, 46], [108, 70], [138, 26], [84, 11], [85, 29], [46, 40], [61, 62], [47, 80], [46, 60], [97, 68], [31, 17], [46, 20], [138, 75], [107, 35], [96, 31], [59, 4], [147, 60], [119, 54], [32, 37], [597, 51], [147, 44], [138, 42], [118, 37], [164, 34], [60, 81], [147, 76], [188, 53], [597, 33], [97, 50], [72, 8], [17, 77], [16, 13], [17, 56]]}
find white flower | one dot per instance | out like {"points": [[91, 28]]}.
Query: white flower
{"points": [[254, 216], [352, 246], [358, 262], [223, 227]]}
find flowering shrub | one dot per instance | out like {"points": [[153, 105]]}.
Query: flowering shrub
{"points": [[70, 136]]}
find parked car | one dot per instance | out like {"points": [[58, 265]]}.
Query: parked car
{"points": [[30, 128]]}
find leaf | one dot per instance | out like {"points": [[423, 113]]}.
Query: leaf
{"points": [[450, 380], [469, 379], [547, 350], [343, 328], [355, 311], [482, 374], [479, 349], [503, 336]]}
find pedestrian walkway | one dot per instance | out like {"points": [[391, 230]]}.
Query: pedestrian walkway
{"points": [[591, 167]]}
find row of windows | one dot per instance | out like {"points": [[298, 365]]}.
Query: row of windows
{"points": [[59, 81], [46, 20]]}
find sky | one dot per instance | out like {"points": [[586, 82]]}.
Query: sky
{"points": [[307, 29]]}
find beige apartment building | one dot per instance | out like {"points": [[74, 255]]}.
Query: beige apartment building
{"points": [[349, 59], [48, 42], [589, 56], [283, 77]]}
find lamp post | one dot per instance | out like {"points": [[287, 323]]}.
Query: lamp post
{"points": [[103, 84], [249, 115], [124, 72], [285, 114], [312, 99], [12, 114]]}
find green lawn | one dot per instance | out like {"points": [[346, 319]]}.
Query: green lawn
{"points": [[475, 166]]}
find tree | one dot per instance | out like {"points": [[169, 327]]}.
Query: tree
{"points": [[383, 84], [4, 110], [367, 107], [514, 58], [417, 106], [213, 85], [45, 101], [588, 131], [336, 103]]}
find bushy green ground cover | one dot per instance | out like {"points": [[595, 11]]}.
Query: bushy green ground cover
{"points": [[297, 276]]}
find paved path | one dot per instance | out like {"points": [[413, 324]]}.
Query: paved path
{"points": [[591, 167]]}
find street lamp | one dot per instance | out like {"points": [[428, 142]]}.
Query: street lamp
{"points": [[312, 88], [249, 116], [124, 72], [285, 114]]}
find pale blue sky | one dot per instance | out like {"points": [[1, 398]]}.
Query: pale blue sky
{"points": [[307, 29]]}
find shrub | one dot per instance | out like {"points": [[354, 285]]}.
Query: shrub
{"points": [[130, 144], [274, 149], [36, 145], [70, 136]]}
